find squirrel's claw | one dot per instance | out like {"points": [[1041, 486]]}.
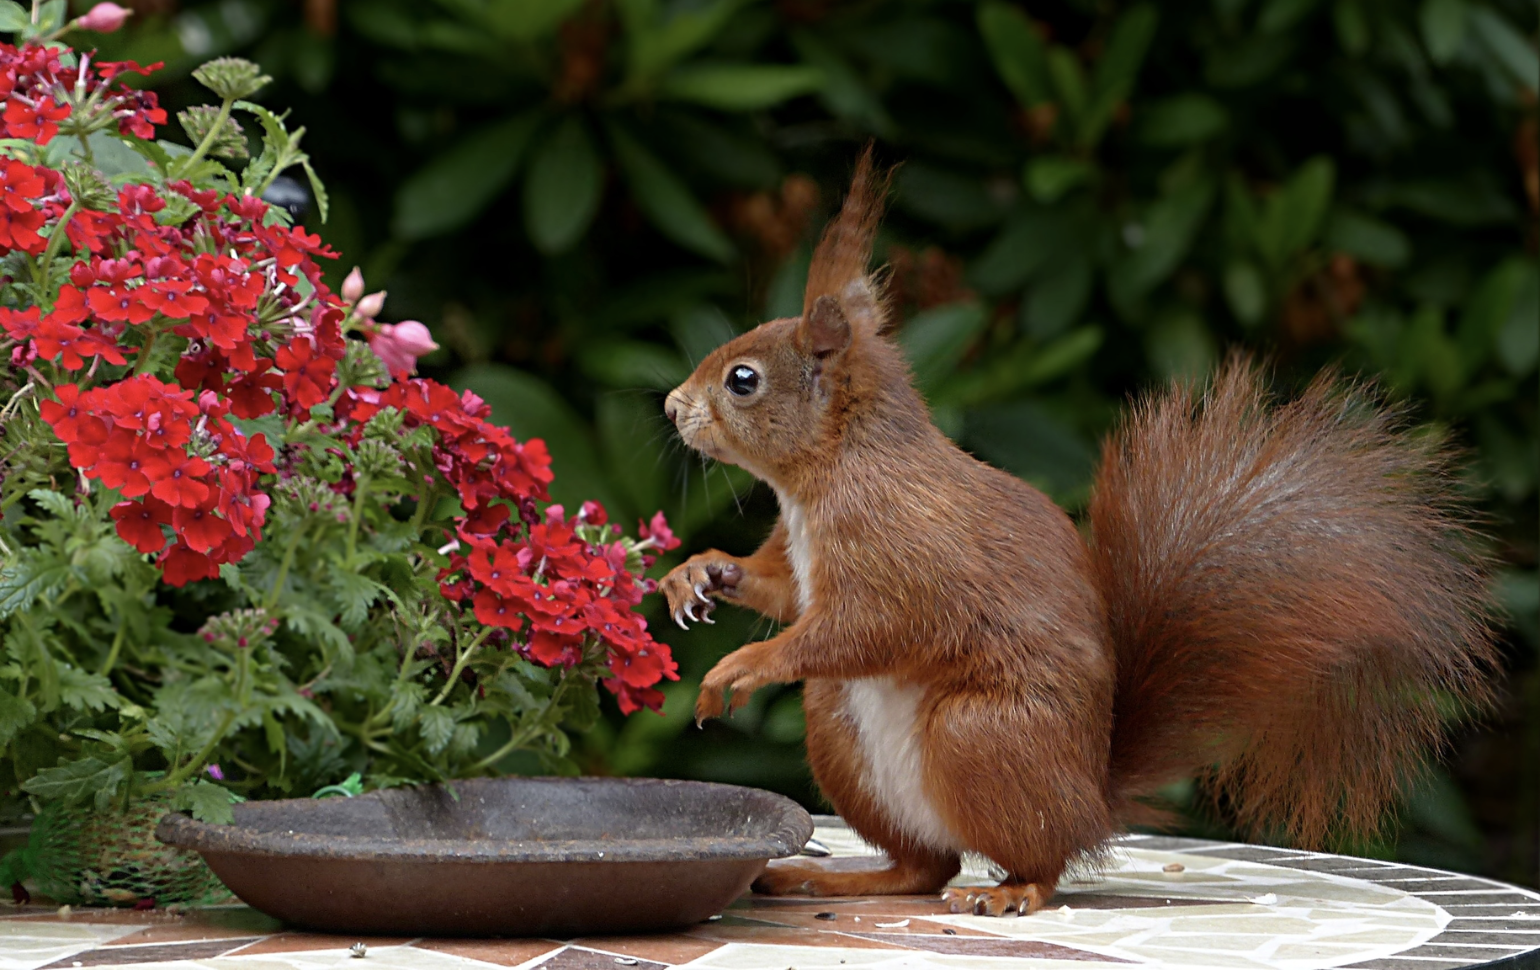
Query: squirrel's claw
{"points": [[679, 619]]}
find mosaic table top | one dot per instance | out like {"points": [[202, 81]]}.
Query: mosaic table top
{"points": [[1158, 902]]}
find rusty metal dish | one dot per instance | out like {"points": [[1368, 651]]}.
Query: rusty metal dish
{"points": [[516, 856]]}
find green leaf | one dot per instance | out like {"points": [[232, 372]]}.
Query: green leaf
{"points": [[33, 574], [1117, 69], [437, 726], [936, 339], [1371, 240], [58, 504], [15, 715], [1059, 298], [1518, 343], [562, 189], [1280, 15], [86, 690], [1016, 50], [1487, 311], [355, 594], [1508, 47], [1292, 217], [1180, 347], [79, 779], [456, 186], [1181, 120], [947, 197], [1025, 440], [659, 41], [1443, 28], [740, 87], [14, 17], [1163, 240], [1028, 241], [624, 364], [1068, 79], [1050, 176], [1245, 291], [528, 20], [666, 201], [1352, 27], [206, 801]]}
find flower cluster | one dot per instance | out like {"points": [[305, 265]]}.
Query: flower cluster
{"points": [[163, 315], [41, 91]]}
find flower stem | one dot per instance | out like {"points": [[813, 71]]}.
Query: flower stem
{"points": [[55, 240], [360, 493], [517, 740], [117, 645], [189, 768], [454, 673], [283, 570], [210, 135]]}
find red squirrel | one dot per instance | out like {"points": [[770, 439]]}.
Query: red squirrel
{"points": [[1279, 598]]}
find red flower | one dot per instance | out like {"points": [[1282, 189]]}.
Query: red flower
{"points": [[39, 122], [307, 376], [174, 477], [120, 464], [181, 565], [140, 524], [199, 527]]}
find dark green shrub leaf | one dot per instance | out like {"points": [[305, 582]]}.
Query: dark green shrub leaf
{"points": [[1050, 176], [1028, 240], [1068, 79], [15, 714], [456, 186], [1158, 244], [936, 339], [1183, 119], [1511, 49], [1371, 240], [1443, 27], [947, 197], [740, 87], [1179, 346], [1518, 343], [1292, 217], [1059, 297], [1352, 26], [437, 726], [1249, 62], [624, 364], [528, 20], [1280, 15], [666, 201], [1245, 292], [561, 191], [80, 689], [1016, 50], [1025, 440], [659, 40], [1118, 67]]}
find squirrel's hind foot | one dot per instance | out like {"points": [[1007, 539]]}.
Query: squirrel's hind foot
{"points": [[1022, 897], [830, 881]]}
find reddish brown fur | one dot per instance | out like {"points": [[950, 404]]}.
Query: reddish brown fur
{"points": [[1275, 592]]}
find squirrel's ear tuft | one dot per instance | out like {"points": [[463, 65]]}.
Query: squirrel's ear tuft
{"points": [[824, 330], [839, 266]]}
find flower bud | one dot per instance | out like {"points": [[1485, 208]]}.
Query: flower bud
{"points": [[400, 345], [104, 18], [353, 286], [593, 513], [231, 77], [371, 305]]}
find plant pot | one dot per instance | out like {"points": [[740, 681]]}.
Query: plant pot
{"points": [[83, 856]]}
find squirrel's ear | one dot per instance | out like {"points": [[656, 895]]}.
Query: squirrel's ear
{"points": [[839, 265], [823, 330]]}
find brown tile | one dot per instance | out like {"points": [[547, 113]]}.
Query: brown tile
{"points": [[668, 949], [314, 942], [180, 931], [992, 947], [770, 935], [846, 922], [1118, 902], [140, 954], [582, 958], [498, 951]]}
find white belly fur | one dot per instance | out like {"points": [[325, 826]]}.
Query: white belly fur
{"points": [[883, 713]]}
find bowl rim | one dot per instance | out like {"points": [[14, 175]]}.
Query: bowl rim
{"points": [[788, 828]]}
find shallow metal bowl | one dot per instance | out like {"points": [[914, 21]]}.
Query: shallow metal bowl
{"points": [[516, 856]]}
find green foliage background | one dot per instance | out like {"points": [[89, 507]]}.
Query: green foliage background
{"points": [[581, 197]]}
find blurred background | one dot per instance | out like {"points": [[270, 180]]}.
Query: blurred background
{"points": [[582, 197]]}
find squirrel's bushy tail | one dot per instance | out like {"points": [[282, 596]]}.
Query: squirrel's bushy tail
{"points": [[1293, 600]]}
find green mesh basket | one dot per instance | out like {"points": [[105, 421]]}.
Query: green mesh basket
{"points": [[80, 856]]}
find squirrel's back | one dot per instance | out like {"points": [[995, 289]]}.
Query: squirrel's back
{"points": [[1292, 598]]}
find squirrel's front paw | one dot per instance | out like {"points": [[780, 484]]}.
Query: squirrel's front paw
{"points": [[691, 586], [738, 675]]}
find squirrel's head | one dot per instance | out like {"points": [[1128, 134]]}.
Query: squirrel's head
{"points": [[773, 400]]}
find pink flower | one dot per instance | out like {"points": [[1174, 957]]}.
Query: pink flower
{"points": [[400, 345], [213, 770], [104, 18], [353, 286], [371, 305]]}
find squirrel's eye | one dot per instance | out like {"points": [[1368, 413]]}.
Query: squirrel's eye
{"points": [[742, 380]]}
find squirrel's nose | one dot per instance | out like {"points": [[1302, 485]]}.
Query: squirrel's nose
{"points": [[672, 406]]}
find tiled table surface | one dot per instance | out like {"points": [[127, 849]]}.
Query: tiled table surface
{"points": [[1158, 903]]}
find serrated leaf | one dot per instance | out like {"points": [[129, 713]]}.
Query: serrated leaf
{"points": [[208, 802], [667, 202], [317, 188], [33, 574], [354, 594], [86, 690], [406, 700], [437, 727], [562, 189], [58, 504], [78, 780], [15, 715]]}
